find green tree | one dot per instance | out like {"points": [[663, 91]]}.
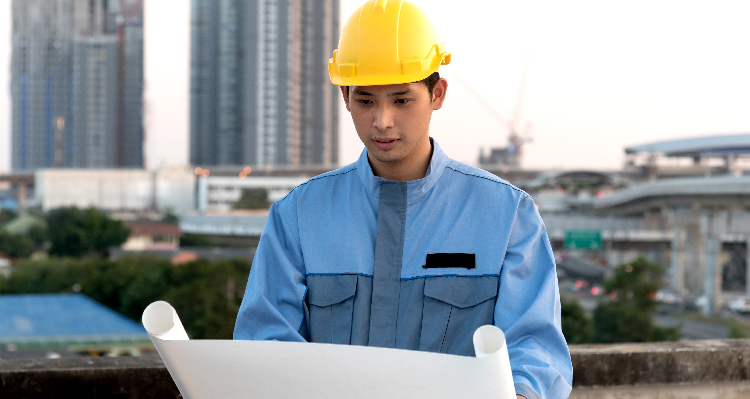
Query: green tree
{"points": [[206, 294], [6, 216], [628, 316], [214, 287], [16, 245], [195, 240], [576, 326], [37, 233], [253, 198], [78, 232], [170, 217]]}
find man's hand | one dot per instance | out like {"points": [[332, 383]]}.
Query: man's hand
{"points": [[520, 397]]}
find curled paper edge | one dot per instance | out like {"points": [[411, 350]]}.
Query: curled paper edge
{"points": [[161, 321], [489, 343], [488, 340]]}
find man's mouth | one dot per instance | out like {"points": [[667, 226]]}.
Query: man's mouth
{"points": [[385, 143]]}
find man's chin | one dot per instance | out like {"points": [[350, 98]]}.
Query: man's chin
{"points": [[386, 157]]}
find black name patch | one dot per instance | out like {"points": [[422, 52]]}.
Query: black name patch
{"points": [[466, 261]]}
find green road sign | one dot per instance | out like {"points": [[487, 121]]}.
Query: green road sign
{"points": [[583, 239]]}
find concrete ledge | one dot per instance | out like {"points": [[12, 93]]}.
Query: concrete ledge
{"points": [[705, 361], [595, 367], [87, 377]]}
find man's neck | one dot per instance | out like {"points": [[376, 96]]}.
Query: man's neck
{"points": [[405, 170]]}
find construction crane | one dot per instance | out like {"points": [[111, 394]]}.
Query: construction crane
{"points": [[510, 155]]}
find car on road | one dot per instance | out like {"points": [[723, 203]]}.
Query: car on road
{"points": [[668, 297], [740, 305]]}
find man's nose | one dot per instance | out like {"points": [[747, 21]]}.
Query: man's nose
{"points": [[383, 118]]}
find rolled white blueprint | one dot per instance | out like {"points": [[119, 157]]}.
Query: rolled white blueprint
{"points": [[489, 342], [272, 369], [161, 321]]}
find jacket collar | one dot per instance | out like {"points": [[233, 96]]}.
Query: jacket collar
{"points": [[415, 189]]}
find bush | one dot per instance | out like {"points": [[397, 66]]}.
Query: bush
{"points": [[627, 317], [253, 198], [6, 216], [195, 240], [576, 326], [736, 330], [618, 321], [16, 245], [37, 233]]}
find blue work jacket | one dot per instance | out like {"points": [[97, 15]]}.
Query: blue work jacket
{"points": [[352, 258]]}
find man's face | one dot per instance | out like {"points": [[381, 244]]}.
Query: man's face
{"points": [[393, 122]]}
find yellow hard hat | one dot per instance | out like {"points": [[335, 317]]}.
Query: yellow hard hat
{"points": [[386, 42]]}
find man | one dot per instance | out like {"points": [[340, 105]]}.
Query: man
{"points": [[406, 248]]}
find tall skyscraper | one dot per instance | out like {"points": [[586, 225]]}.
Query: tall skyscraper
{"points": [[77, 83], [260, 93]]}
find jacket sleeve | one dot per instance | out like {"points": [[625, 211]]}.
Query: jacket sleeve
{"points": [[273, 305], [528, 310]]}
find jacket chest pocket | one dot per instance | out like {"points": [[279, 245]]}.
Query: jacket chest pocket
{"points": [[454, 307], [331, 305]]}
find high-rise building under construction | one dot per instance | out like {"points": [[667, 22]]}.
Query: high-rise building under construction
{"points": [[260, 93], [77, 84]]}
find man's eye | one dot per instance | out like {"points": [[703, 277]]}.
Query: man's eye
{"points": [[361, 101], [402, 101]]}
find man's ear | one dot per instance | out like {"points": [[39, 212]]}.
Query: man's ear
{"points": [[345, 93], [438, 94]]}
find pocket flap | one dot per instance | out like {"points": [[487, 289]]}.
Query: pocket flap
{"points": [[461, 292], [326, 290]]}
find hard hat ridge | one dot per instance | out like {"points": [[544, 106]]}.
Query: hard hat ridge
{"points": [[386, 42], [379, 6]]}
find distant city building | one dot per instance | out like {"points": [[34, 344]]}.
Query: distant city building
{"points": [[77, 84], [260, 93], [499, 157], [221, 192], [92, 133], [115, 190]]}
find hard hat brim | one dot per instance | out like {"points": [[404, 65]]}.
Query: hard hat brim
{"points": [[379, 80]]}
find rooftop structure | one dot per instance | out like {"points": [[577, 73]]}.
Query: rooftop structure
{"points": [[734, 144], [73, 321], [714, 192], [706, 155]]}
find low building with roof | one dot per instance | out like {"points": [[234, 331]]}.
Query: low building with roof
{"points": [[69, 321], [149, 235], [6, 263]]}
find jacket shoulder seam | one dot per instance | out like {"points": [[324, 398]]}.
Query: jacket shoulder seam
{"points": [[337, 172], [499, 181]]}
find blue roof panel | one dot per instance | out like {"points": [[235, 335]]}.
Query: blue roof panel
{"points": [[51, 315], [708, 145]]}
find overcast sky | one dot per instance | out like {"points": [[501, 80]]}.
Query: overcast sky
{"points": [[602, 75]]}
